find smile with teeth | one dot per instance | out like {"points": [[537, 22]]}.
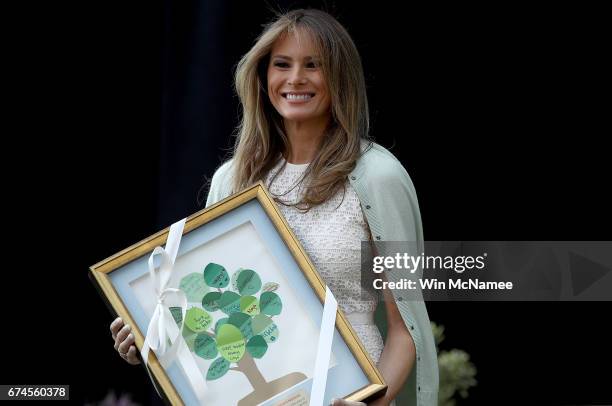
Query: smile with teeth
{"points": [[298, 96]]}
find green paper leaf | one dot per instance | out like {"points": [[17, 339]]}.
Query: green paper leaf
{"points": [[264, 326], [216, 276], [235, 276], [243, 322], [219, 323], [177, 314], [249, 305], [197, 320], [270, 303], [205, 346], [229, 302], [217, 369], [230, 343], [248, 282], [210, 301], [257, 346], [194, 287], [270, 287]]}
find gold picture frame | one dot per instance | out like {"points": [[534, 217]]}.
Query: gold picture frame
{"points": [[114, 277]]}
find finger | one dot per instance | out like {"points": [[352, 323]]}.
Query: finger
{"points": [[121, 335], [132, 356], [116, 326], [125, 345]]}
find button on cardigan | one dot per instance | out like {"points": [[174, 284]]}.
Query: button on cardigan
{"points": [[392, 211]]}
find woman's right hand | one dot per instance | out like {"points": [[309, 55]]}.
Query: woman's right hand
{"points": [[124, 341]]}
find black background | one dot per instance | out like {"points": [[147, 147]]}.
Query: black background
{"points": [[118, 111]]}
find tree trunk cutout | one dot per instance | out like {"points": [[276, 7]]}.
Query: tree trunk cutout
{"points": [[263, 390]]}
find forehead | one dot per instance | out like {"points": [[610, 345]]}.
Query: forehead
{"points": [[297, 43]]}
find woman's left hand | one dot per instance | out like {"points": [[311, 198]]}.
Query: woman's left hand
{"points": [[342, 402]]}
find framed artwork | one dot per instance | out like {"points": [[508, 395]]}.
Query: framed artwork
{"points": [[254, 306]]}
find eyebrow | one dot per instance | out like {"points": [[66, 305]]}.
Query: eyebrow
{"points": [[306, 58]]}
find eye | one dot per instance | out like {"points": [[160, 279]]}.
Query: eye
{"points": [[312, 65], [281, 64]]}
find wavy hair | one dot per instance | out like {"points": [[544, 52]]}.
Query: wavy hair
{"points": [[261, 137]]}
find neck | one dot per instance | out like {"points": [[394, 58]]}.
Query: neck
{"points": [[304, 140]]}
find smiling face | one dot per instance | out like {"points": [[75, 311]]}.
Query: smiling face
{"points": [[296, 85]]}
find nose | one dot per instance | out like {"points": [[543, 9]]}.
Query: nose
{"points": [[297, 76]]}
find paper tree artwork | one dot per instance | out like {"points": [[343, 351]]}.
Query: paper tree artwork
{"points": [[234, 327]]}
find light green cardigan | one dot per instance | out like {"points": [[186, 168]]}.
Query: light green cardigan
{"points": [[390, 205]]}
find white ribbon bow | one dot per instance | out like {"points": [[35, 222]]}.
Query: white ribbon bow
{"points": [[162, 327], [163, 335]]}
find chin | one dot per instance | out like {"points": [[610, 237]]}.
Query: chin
{"points": [[298, 116]]}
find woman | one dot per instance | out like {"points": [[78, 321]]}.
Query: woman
{"points": [[304, 132]]}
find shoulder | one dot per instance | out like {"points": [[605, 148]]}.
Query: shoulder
{"points": [[221, 183], [382, 183], [378, 167], [224, 171]]}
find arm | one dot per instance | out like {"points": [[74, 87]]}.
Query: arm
{"points": [[398, 356], [399, 353]]}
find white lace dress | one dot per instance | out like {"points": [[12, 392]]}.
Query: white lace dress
{"points": [[331, 234]]}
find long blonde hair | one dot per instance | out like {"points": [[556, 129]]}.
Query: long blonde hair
{"points": [[261, 138]]}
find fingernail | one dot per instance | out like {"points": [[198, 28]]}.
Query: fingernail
{"points": [[131, 336], [127, 326]]}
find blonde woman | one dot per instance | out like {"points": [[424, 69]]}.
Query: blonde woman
{"points": [[304, 132]]}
